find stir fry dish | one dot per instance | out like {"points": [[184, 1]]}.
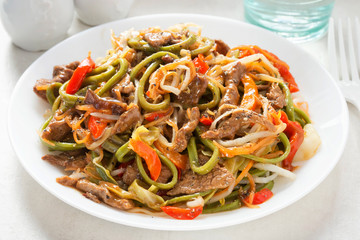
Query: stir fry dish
{"points": [[173, 121]]}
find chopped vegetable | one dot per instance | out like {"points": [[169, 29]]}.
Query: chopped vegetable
{"points": [[207, 121], [200, 64], [182, 213], [86, 66], [96, 126], [149, 155], [176, 158], [262, 196]]}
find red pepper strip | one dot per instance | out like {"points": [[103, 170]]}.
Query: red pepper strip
{"points": [[149, 155], [207, 121], [96, 126], [176, 158], [200, 64], [159, 114], [251, 94], [86, 66], [182, 213], [260, 197], [295, 133]]}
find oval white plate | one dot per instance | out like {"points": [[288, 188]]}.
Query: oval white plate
{"points": [[327, 108]]}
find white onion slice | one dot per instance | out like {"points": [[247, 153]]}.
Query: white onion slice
{"points": [[105, 116], [276, 169]]}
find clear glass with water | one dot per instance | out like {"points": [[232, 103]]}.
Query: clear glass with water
{"points": [[297, 20]]}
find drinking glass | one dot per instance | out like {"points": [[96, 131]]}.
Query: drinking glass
{"points": [[297, 20]]}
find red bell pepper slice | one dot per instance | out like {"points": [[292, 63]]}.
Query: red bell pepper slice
{"points": [[207, 121], [200, 64], [159, 114], [149, 155], [295, 133], [182, 213], [261, 196], [86, 66], [96, 126]]}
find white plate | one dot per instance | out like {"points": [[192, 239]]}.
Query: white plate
{"points": [[327, 108]]}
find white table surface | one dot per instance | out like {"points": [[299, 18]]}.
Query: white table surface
{"points": [[27, 211]]}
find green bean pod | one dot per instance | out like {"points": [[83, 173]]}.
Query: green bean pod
{"points": [[174, 48], [151, 107], [105, 73], [165, 161], [115, 78], [194, 161], [135, 71], [216, 97], [209, 43], [289, 102], [268, 185], [302, 115], [50, 92], [285, 141], [69, 99], [56, 104], [218, 208], [58, 146], [122, 151]]}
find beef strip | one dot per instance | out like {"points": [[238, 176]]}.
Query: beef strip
{"points": [[127, 120], [190, 182], [158, 39], [221, 47], [103, 194], [67, 181], [71, 160], [197, 88], [232, 80], [125, 85], [239, 118], [61, 74], [57, 130], [114, 105], [167, 59], [185, 132], [276, 96], [132, 173]]}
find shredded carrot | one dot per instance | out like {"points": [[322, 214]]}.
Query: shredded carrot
{"points": [[244, 172], [252, 187], [42, 87]]}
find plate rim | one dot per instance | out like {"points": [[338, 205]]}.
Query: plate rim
{"points": [[188, 227]]}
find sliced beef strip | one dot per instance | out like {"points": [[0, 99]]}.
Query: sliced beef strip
{"points": [[276, 96], [232, 80], [167, 59], [127, 120], [239, 118], [221, 47], [231, 95], [158, 39], [125, 85], [61, 74], [190, 182], [185, 132], [114, 105], [103, 194], [71, 160], [132, 173], [67, 181], [197, 88], [57, 130]]}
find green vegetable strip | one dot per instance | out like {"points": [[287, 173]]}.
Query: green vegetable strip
{"points": [[58, 146], [302, 114], [175, 48], [289, 102], [216, 97], [135, 71], [218, 208], [299, 120], [186, 197], [69, 99], [122, 151], [151, 107], [106, 72], [285, 141], [110, 146], [56, 104], [207, 46], [50, 92], [268, 185], [165, 161], [103, 172], [115, 78], [194, 161]]}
